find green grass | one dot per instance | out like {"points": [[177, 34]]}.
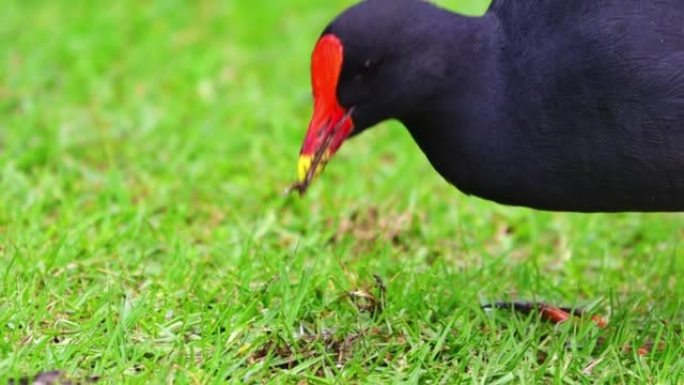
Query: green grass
{"points": [[145, 237]]}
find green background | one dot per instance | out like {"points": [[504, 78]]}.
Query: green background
{"points": [[145, 237]]}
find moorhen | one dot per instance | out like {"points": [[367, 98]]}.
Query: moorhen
{"points": [[567, 105]]}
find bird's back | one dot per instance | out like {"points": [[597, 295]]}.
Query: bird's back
{"points": [[594, 104]]}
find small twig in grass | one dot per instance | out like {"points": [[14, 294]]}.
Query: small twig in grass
{"points": [[364, 300], [382, 290], [367, 301], [590, 368]]}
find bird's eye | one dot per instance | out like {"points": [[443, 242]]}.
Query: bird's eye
{"points": [[367, 68]]}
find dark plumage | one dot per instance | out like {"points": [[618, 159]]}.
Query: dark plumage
{"points": [[572, 105]]}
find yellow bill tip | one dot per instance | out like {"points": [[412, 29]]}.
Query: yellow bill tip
{"points": [[303, 167]]}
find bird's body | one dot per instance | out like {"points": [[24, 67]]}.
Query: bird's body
{"points": [[551, 104], [579, 105]]}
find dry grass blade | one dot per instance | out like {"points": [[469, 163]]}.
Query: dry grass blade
{"points": [[366, 301]]}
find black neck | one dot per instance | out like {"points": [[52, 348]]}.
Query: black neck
{"points": [[465, 122]]}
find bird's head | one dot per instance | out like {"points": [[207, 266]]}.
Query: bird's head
{"points": [[378, 60]]}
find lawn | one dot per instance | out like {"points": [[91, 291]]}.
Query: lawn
{"points": [[145, 237]]}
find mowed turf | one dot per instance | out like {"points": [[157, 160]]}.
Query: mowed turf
{"points": [[145, 236]]}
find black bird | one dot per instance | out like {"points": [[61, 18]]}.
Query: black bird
{"points": [[568, 105]]}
